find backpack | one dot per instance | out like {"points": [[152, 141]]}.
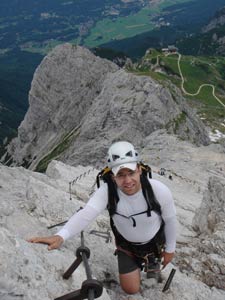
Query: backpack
{"points": [[106, 176]]}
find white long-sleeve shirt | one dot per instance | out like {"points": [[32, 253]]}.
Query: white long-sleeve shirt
{"points": [[128, 205]]}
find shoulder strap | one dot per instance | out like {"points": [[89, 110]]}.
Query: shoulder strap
{"points": [[102, 175], [146, 170], [147, 190], [113, 198]]}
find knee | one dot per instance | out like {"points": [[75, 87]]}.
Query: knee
{"points": [[130, 282], [130, 289]]}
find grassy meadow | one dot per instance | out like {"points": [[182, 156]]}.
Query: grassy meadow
{"points": [[196, 71]]}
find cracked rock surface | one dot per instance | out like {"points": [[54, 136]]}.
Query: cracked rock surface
{"points": [[30, 202]]}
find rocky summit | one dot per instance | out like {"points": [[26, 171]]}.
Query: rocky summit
{"points": [[79, 103]]}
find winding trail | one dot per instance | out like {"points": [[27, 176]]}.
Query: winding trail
{"points": [[200, 87]]}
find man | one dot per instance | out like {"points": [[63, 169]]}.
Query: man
{"points": [[142, 216]]}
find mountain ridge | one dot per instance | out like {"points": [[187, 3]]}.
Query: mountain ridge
{"points": [[105, 103], [210, 40]]}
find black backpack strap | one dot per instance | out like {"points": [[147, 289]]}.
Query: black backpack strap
{"points": [[102, 175], [113, 198], [146, 170], [148, 193]]}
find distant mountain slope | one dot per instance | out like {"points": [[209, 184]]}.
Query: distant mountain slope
{"points": [[38, 26], [17, 68], [210, 40], [217, 21]]}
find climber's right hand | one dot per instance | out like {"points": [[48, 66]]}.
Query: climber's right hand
{"points": [[53, 242]]}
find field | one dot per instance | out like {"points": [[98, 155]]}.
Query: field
{"points": [[123, 27], [145, 20]]}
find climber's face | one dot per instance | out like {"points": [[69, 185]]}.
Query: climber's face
{"points": [[128, 180]]}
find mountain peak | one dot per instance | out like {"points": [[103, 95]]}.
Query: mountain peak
{"points": [[77, 97]]}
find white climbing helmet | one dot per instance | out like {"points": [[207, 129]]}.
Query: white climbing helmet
{"points": [[122, 155]]}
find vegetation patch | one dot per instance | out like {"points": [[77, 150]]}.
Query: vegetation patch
{"points": [[170, 64], [57, 150], [180, 119], [8, 159]]}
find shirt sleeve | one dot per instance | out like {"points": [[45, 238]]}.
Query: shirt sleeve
{"points": [[168, 210], [81, 219], [170, 234]]}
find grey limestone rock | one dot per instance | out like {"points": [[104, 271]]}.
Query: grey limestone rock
{"points": [[80, 103], [212, 210], [208, 256], [32, 201], [63, 88]]}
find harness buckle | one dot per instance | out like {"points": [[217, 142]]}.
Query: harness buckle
{"points": [[152, 266]]}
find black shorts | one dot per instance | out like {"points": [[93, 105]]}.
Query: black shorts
{"points": [[126, 263]]}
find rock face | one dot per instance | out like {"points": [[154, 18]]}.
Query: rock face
{"points": [[29, 271], [30, 202], [209, 224], [80, 103], [212, 211], [63, 88]]}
